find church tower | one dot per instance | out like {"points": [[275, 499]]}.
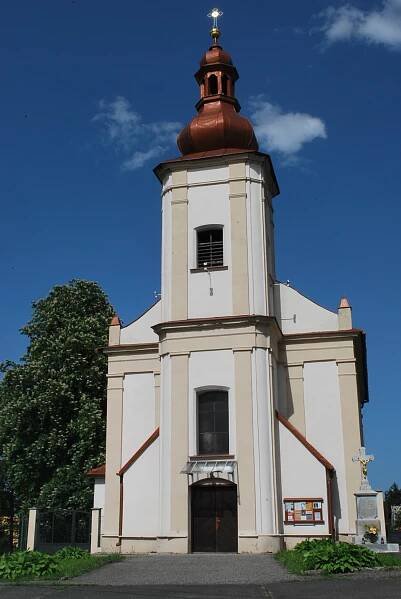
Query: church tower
{"points": [[234, 402], [217, 207], [217, 299]]}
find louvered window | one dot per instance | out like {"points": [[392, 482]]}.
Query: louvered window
{"points": [[210, 247]]}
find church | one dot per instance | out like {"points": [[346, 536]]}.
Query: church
{"points": [[234, 403]]}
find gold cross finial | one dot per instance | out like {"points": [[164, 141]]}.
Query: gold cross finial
{"points": [[214, 14]]}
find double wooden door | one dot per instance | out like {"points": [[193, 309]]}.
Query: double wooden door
{"points": [[214, 516]]}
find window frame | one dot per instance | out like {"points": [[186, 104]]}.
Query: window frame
{"points": [[198, 395], [210, 227]]}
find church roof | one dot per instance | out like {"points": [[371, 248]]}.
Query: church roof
{"points": [[218, 124], [98, 472]]}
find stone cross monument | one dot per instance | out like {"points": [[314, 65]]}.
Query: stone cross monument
{"points": [[364, 460], [370, 523]]}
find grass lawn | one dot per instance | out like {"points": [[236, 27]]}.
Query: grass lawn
{"points": [[70, 567]]}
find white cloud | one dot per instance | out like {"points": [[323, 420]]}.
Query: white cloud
{"points": [[380, 26], [285, 132], [135, 140], [138, 158]]}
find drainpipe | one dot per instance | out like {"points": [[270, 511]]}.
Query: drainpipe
{"points": [[330, 511], [120, 511]]}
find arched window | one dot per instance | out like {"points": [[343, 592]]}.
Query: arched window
{"points": [[213, 427], [212, 85], [209, 247], [224, 80]]}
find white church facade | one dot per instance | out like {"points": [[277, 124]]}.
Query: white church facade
{"points": [[234, 403]]}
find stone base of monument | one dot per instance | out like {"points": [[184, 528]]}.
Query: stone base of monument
{"points": [[378, 547], [370, 514]]}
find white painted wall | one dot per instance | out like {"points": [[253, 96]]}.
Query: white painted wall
{"points": [[301, 476], [141, 481], [165, 445], [98, 493], [210, 369], [141, 495], [323, 423], [140, 331], [208, 175], [209, 205], [309, 315], [255, 170], [138, 412], [262, 439]]}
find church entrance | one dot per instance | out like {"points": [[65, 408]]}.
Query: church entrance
{"points": [[214, 516]]}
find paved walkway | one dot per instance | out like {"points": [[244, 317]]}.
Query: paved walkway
{"points": [[374, 587], [194, 569]]}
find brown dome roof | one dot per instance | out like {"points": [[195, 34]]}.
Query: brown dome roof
{"points": [[217, 126]]}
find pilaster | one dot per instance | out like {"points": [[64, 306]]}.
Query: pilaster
{"points": [[179, 444], [239, 243], [115, 389], [351, 430], [179, 224], [295, 396], [245, 450]]}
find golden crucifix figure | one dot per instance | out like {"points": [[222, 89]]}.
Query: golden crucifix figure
{"points": [[364, 460]]}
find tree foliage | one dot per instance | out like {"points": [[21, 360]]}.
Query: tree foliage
{"points": [[391, 497], [52, 403]]}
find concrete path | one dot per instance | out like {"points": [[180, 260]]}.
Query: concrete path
{"points": [[194, 569]]}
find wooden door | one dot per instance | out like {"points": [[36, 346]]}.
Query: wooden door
{"points": [[214, 516]]}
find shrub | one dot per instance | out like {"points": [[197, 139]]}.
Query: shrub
{"points": [[333, 558], [4, 546], [71, 553], [27, 564]]}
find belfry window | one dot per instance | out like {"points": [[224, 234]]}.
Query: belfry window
{"points": [[212, 85], [209, 250], [213, 428], [224, 85]]}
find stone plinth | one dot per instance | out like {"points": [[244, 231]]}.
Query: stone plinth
{"points": [[369, 510]]}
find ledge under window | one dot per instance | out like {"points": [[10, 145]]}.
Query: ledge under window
{"points": [[303, 522], [208, 269], [222, 456]]}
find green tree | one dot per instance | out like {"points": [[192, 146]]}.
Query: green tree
{"points": [[52, 403], [392, 497]]}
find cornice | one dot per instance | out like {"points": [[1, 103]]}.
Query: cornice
{"points": [[213, 321], [217, 157], [132, 348], [322, 335]]}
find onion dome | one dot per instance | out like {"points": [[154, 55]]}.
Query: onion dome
{"points": [[218, 124]]}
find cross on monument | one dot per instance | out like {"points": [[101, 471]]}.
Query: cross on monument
{"points": [[363, 458]]}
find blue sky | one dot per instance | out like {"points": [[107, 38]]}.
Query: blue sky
{"points": [[92, 94]]}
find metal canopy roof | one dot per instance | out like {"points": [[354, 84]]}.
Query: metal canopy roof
{"points": [[209, 467]]}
